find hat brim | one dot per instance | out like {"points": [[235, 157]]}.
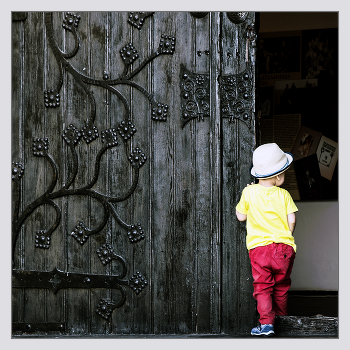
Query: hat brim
{"points": [[280, 171]]}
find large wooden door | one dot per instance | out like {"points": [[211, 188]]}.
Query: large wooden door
{"points": [[132, 136]]}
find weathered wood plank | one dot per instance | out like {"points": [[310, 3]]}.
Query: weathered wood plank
{"points": [[140, 252], [17, 154], [184, 244], [55, 255], [162, 188], [120, 170], [98, 44], [35, 166], [216, 176], [203, 181], [244, 150], [77, 110], [237, 142]]}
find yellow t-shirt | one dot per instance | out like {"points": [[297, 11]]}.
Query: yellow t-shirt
{"points": [[267, 209]]}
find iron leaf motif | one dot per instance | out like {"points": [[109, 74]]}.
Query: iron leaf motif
{"points": [[17, 171], [105, 253], [42, 240], [137, 19], [72, 135], [136, 233], [52, 99], [126, 129], [90, 133], [138, 282]]}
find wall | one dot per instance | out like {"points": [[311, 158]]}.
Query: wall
{"points": [[317, 236], [317, 231]]}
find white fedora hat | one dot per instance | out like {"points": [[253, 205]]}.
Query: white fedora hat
{"points": [[269, 160]]}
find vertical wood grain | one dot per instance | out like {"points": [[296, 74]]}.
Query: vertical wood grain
{"points": [[53, 119], [139, 256], [215, 161], [120, 171], [238, 306], [17, 151], [34, 181], [78, 309], [99, 62], [203, 182], [183, 249], [164, 302]]}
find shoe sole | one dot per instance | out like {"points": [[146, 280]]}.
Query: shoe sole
{"points": [[268, 334]]}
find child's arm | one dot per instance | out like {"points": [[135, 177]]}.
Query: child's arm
{"points": [[291, 221], [241, 217]]}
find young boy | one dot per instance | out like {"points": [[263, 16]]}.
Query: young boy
{"points": [[269, 211]]}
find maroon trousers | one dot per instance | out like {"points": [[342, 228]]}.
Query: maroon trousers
{"points": [[271, 267]]}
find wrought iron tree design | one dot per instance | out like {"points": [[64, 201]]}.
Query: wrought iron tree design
{"points": [[125, 130]]}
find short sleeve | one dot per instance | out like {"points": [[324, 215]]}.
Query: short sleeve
{"points": [[242, 206], [290, 205]]}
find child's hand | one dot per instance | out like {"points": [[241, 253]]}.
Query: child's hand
{"points": [[250, 184]]}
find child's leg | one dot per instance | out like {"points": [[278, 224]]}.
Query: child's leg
{"points": [[283, 259], [263, 283]]}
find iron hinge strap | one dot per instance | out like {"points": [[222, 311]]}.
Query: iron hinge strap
{"points": [[26, 327], [57, 279]]}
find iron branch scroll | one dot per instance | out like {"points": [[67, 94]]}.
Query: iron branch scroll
{"points": [[89, 133], [128, 54], [137, 159]]}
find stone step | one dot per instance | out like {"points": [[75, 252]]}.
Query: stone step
{"points": [[300, 326]]}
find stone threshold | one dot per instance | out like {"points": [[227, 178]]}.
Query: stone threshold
{"points": [[317, 326]]}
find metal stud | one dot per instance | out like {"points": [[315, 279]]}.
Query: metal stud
{"points": [[137, 158], [72, 134], [51, 99], [105, 253], [79, 233], [40, 147], [126, 129], [109, 137], [42, 240], [137, 18], [70, 21], [237, 17], [17, 171], [90, 133], [138, 282], [136, 233]]}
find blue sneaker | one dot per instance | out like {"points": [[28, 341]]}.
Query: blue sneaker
{"points": [[264, 329]]}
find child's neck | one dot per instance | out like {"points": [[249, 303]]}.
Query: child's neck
{"points": [[268, 182]]}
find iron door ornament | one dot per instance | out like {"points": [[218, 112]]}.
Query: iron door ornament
{"points": [[128, 133]]}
